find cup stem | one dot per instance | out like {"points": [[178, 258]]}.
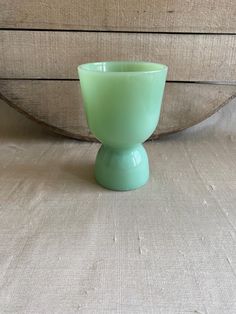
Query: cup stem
{"points": [[122, 168]]}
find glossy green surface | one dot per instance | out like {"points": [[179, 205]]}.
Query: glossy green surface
{"points": [[122, 169], [122, 101]]}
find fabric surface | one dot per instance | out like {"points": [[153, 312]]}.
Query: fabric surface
{"points": [[69, 246]]}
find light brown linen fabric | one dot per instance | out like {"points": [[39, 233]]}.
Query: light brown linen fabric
{"points": [[69, 246]]}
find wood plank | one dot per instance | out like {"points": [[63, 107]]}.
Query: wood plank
{"points": [[40, 54], [58, 104], [133, 15]]}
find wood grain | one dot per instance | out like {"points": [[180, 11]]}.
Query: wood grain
{"points": [[58, 104], [133, 15], [28, 54]]}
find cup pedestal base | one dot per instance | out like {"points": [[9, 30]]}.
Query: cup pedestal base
{"points": [[122, 169]]}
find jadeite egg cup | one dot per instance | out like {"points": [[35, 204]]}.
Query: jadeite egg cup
{"points": [[122, 101]]}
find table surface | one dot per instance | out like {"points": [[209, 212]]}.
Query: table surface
{"points": [[69, 246]]}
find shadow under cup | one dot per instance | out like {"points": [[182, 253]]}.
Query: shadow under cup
{"points": [[122, 101]]}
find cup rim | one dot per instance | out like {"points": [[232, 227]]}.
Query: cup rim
{"points": [[87, 67]]}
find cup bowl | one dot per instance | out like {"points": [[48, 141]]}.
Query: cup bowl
{"points": [[122, 100]]}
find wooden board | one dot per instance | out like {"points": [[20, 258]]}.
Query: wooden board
{"points": [[40, 54], [58, 104], [202, 16]]}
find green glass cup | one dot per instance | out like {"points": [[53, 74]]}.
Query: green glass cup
{"points": [[122, 101]]}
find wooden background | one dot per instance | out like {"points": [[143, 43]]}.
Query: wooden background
{"points": [[42, 42]]}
